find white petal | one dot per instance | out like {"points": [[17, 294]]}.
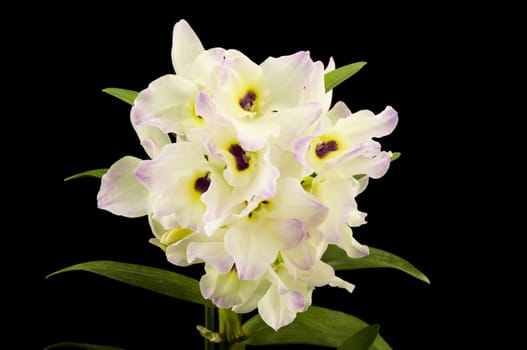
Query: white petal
{"points": [[273, 311], [176, 253], [225, 290], [338, 111], [338, 282], [121, 193], [320, 275], [219, 202], [251, 301], [294, 121], [254, 243], [291, 201], [315, 90], [175, 159], [213, 253], [286, 78], [165, 103], [301, 256], [207, 66], [338, 194], [186, 46], [374, 167], [157, 228], [254, 133], [352, 247], [152, 139], [364, 125]]}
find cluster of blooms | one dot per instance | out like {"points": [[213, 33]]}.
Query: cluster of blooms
{"points": [[261, 178]]}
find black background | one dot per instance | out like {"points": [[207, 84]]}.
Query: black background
{"points": [[418, 62]]}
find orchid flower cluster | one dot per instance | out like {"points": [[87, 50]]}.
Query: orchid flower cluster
{"points": [[252, 171], [261, 178]]}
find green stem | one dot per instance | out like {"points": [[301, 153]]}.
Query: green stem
{"points": [[210, 323], [230, 328]]}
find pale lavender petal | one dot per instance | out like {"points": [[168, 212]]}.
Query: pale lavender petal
{"points": [[365, 125], [292, 201], [262, 178], [152, 139], [206, 107], [273, 311], [374, 167], [186, 46], [121, 193], [302, 256], [213, 253]]}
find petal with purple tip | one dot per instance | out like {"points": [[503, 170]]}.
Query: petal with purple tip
{"points": [[121, 193]]}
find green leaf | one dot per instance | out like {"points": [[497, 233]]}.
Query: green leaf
{"points": [[362, 340], [69, 345], [154, 279], [338, 258], [395, 156], [339, 75], [125, 95], [316, 326], [90, 173]]}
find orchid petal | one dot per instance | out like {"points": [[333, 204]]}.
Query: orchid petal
{"points": [[350, 245], [166, 102], [286, 77], [291, 201], [213, 253], [152, 139], [174, 160], [254, 243], [338, 194], [225, 289], [294, 121], [186, 46], [121, 193], [364, 124]]}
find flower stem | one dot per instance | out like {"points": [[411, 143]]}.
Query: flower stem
{"points": [[230, 328], [210, 323]]}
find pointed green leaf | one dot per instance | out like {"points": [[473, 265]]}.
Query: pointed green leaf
{"points": [[338, 258], [125, 95], [316, 326], [90, 173], [362, 340], [85, 346], [154, 279], [395, 156], [339, 75]]}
